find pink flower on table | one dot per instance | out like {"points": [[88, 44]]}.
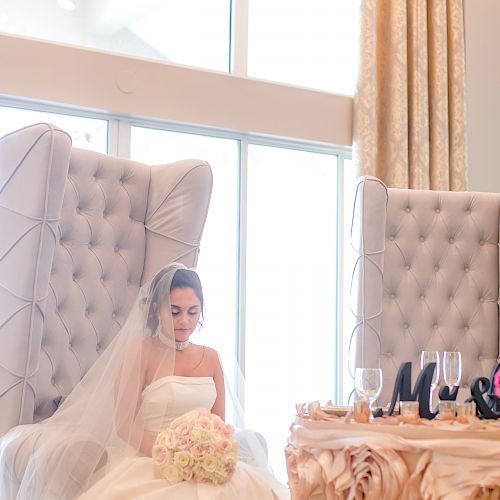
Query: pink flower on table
{"points": [[496, 383]]}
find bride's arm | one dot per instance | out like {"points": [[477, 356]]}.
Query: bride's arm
{"points": [[219, 406], [128, 397]]}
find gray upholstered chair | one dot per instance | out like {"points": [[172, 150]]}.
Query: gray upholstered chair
{"points": [[79, 233], [426, 278]]}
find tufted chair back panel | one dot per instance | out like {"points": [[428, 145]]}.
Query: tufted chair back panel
{"points": [[439, 281], [33, 168], [96, 270]]}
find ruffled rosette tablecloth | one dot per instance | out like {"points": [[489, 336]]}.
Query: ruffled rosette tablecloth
{"points": [[334, 458]]}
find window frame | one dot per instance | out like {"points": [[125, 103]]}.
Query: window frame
{"points": [[285, 116]]}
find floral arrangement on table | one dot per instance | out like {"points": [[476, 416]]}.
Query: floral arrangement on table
{"points": [[196, 446]]}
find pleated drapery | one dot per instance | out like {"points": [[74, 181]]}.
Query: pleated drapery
{"points": [[409, 107]]}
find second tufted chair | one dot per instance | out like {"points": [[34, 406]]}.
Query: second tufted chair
{"points": [[79, 233], [426, 278]]}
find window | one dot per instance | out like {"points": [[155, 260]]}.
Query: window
{"points": [[87, 133], [311, 44], [218, 259], [291, 288], [192, 32]]}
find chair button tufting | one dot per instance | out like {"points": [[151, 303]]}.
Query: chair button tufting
{"points": [[407, 267], [479, 358], [98, 347], [114, 315], [466, 269], [422, 297], [405, 326], [452, 240], [102, 280], [435, 326], [436, 268], [481, 242], [481, 299], [422, 238], [468, 211], [53, 381], [450, 298], [393, 295], [408, 209], [438, 210], [391, 238]]}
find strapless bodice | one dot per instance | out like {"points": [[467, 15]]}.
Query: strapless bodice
{"points": [[169, 397]]}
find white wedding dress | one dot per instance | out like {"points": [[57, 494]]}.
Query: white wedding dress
{"points": [[132, 477]]}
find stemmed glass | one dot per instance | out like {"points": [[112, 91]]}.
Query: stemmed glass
{"points": [[452, 368], [368, 384], [431, 357]]}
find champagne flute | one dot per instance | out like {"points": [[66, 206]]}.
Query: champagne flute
{"points": [[431, 357], [452, 368], [368, 384]]}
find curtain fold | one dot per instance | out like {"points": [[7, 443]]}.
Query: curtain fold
{"points": [[409, 107]]}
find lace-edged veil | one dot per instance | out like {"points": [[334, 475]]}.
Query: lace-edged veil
{"points": [[100, 421]]}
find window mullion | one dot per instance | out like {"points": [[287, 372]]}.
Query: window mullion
{"points": [[239, 38], [242, 254]]}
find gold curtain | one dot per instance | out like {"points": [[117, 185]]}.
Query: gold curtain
{"points": [[409, 107]]}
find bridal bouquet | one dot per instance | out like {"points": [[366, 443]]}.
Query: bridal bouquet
{"points": [[196, 446]]}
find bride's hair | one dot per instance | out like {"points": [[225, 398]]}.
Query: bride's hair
{"points": [[159, 290]]}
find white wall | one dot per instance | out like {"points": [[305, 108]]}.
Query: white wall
{"points": [[482, 18]]}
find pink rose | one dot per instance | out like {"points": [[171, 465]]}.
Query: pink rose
{"points": [[184, 443], [183, 429], [204, 422], [224, 445], [187, 473], [159, 454]]}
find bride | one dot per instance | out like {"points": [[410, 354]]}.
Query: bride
{"points": [[98, 444]]}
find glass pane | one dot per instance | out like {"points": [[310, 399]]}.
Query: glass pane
{"points": [[87, 133], [193, 32], [218, 259], [291, 288], [311, 44], [349, 259]]}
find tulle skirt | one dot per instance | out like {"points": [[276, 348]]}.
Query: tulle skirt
{"points": [[133, 478]]}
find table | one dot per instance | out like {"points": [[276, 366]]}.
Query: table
{"points": [[337, 458]]}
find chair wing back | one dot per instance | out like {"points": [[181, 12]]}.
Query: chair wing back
{"points": [[427, 278], [116, 224], [33, 168]]}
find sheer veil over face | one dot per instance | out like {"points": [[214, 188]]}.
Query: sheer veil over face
{"points": [[100, 419]]}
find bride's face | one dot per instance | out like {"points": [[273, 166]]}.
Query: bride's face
{"points": [[185, 310]]}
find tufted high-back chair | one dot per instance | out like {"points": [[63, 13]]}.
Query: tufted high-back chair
{"points": [[426, 278], [79, 233]]}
